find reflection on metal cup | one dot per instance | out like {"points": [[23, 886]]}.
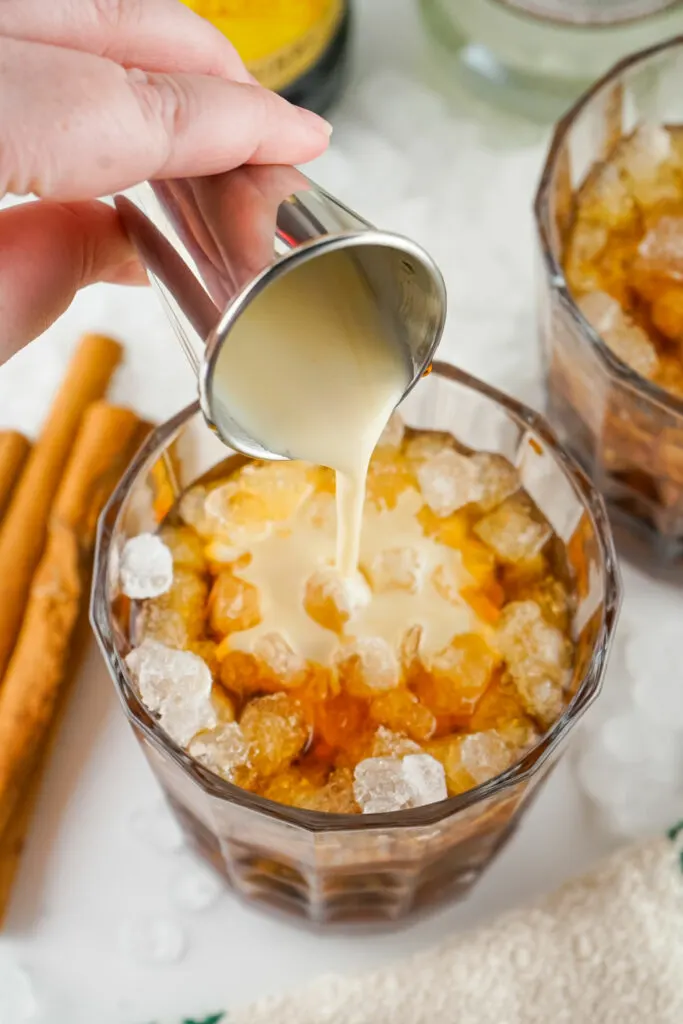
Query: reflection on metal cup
{"points": [[213, 245]]}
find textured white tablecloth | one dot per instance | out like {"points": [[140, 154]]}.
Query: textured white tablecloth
{"points": [[461, 183]]}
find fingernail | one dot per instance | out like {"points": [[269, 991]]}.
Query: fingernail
{"points": [[319, 123]]}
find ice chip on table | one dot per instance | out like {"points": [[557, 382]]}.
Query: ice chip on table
{"points": [[223, 749], [276, 730], [512, 533], [155, 826], [332, 599], [234, 604], [176, 685], [498, 479], [426, 779], [152, 941], [392, 435], [278, 656], [393, 744], [380, 785], [626, 339], [195, 888], [397, 569], [448, 481], [367, 666], [146, 567]]}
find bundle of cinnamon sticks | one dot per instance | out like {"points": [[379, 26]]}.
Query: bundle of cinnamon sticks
{"points": [[51, 495]]}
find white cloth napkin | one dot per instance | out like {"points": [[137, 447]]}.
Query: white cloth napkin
{"points": [[606, 949]]}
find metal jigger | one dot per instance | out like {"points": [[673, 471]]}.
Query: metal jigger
{"points": [[212, 246]]}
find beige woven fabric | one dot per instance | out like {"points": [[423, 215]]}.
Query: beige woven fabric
{"points": [[607, 949]]}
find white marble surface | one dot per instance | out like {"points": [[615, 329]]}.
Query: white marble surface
{"points": [[461, 182]]}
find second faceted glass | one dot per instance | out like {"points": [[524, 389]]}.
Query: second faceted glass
{"points": [[609, 212]]}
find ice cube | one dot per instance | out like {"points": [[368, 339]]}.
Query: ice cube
{"points": [[426, 779], [427, 445], [397, 569], [497, 477], [177, 617], [176, 685], [234, 604], [449, 481], [367, 666], [186, 547], [155, 826], [456, 677], [393, 744], [332, 599], [484, 755], [285, 664], [380, 785], [402, 711], [195, 888], [660, 252], [538, 656], [224, 750], [605, 202], [626, 339], [512, 533], [392, 435], [320, 512], [646, 160], [276, 730], [192, 511], [146, 567], [153, 941]]}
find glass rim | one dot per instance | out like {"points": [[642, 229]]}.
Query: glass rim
{"points": [[553, 268], [429, 814]]}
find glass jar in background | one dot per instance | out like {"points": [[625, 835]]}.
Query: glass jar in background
{"points": [[299, 50], [539, 55]]}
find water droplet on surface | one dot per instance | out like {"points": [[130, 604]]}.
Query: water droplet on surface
{"points": [[153, 941]]}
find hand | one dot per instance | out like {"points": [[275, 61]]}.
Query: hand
{"points": [[95, 96]]}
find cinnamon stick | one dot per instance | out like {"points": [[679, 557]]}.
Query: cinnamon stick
{"points": [[14, 448], [36, 675], [22, 534]]}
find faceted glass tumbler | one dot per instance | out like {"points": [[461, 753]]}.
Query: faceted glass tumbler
{"points": [[625, 431], [330, 867]]}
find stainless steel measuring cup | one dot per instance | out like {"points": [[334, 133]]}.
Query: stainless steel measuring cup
{"points": [[212, 245]]}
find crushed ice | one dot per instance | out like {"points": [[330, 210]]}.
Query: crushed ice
{"points": [[176, 685], [146, 567], [384, 784]]}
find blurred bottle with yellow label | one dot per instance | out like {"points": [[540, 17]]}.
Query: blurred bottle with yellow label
{"points": [[298, 48]]}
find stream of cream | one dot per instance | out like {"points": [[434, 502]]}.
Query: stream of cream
{"points": [[313, 373]]}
